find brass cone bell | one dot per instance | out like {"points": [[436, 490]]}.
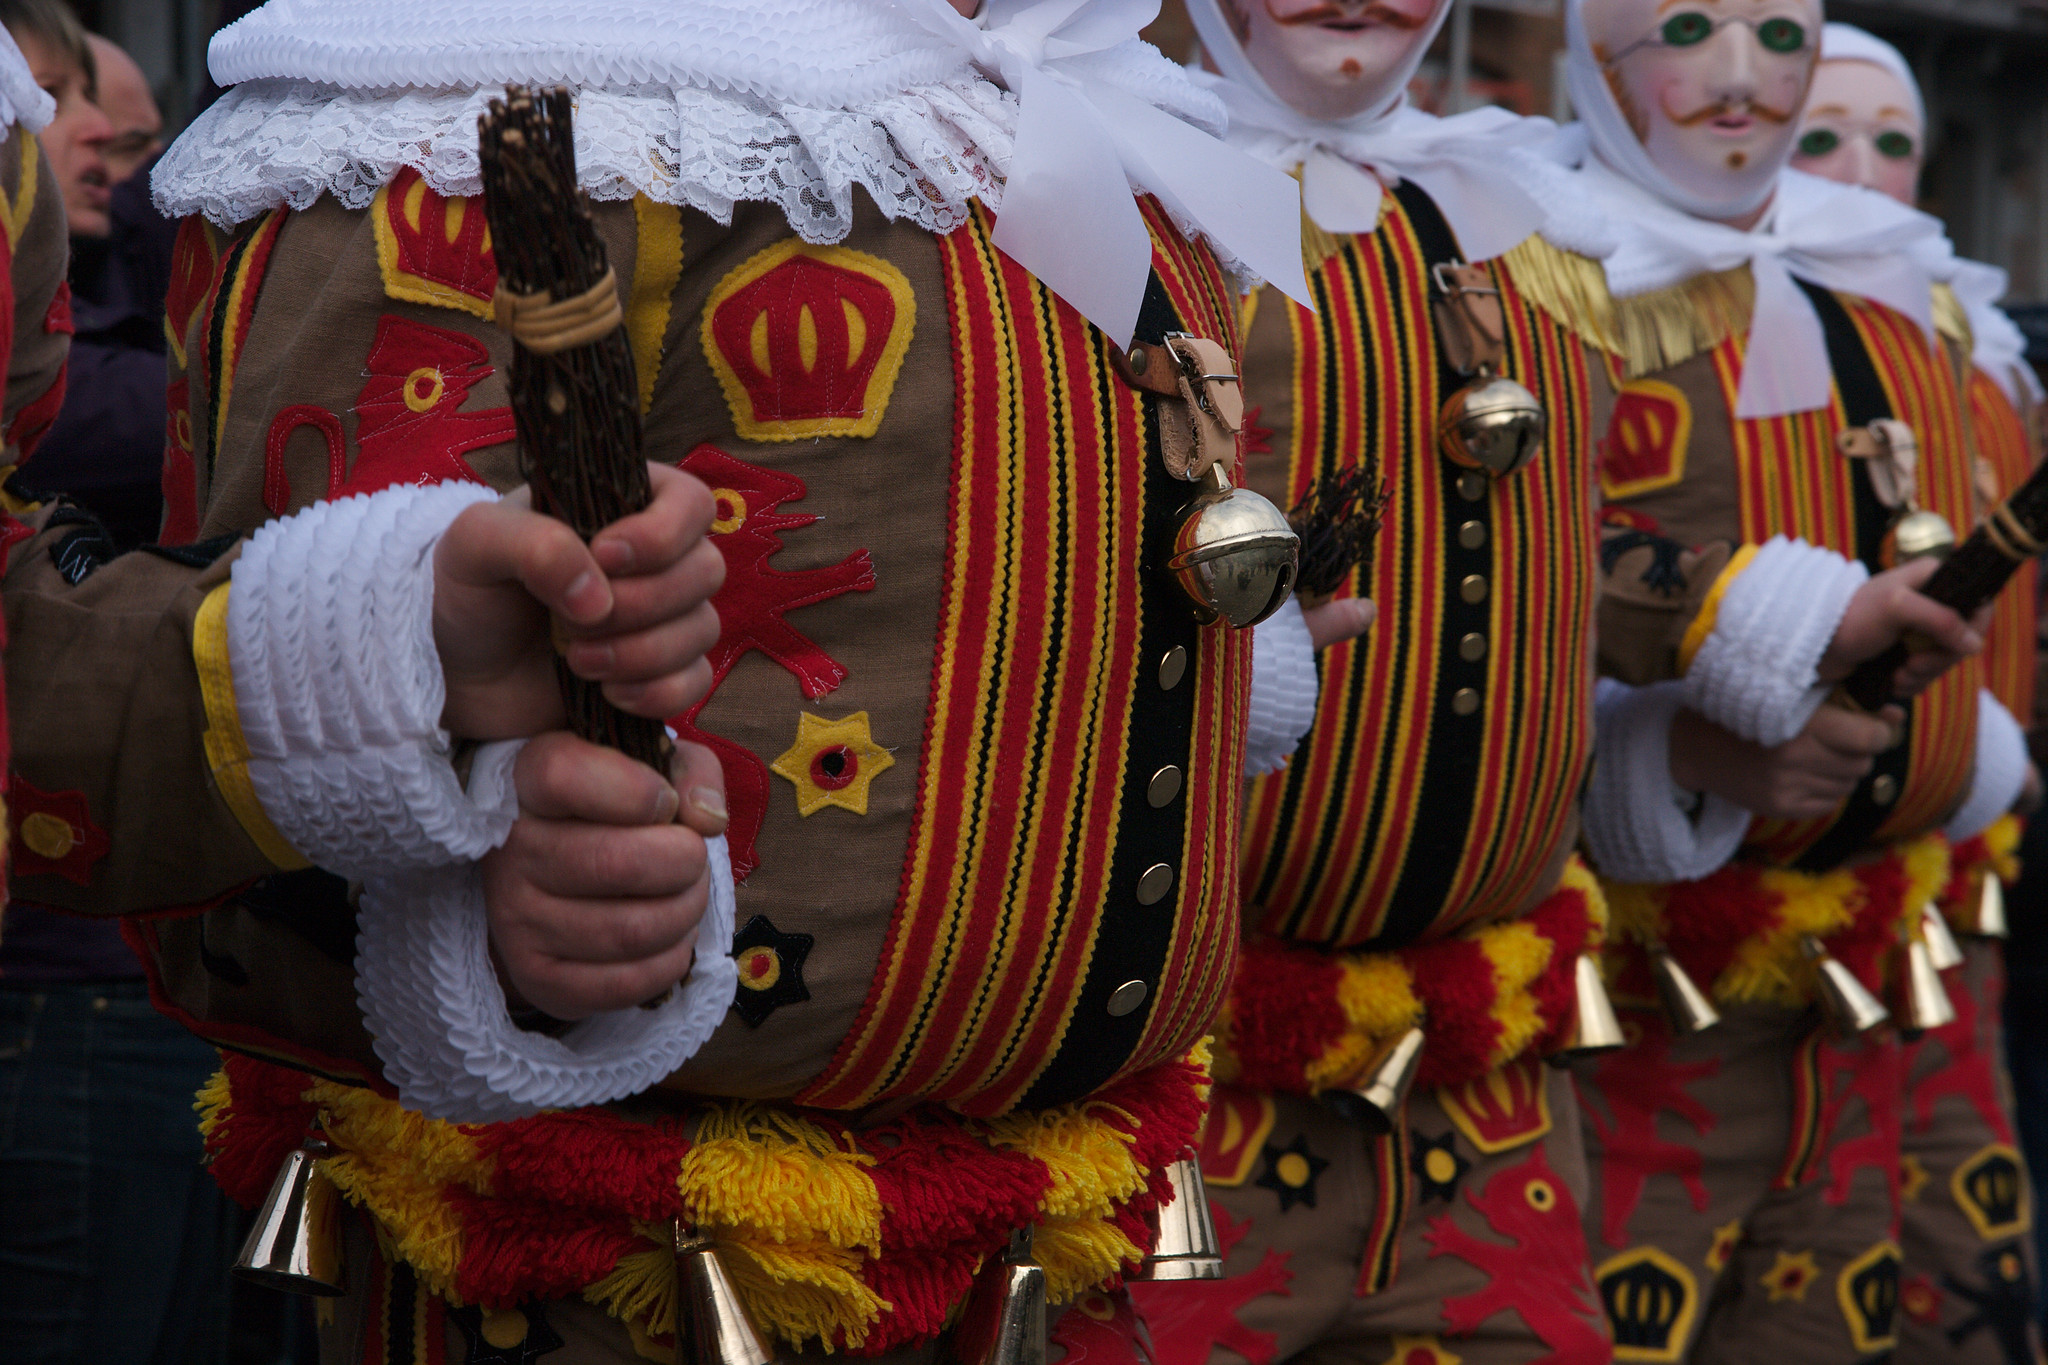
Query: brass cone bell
{"points": [[1493, 424], [712, 1325], [1991, 909], [1850, 1007], [1234, 553], [295, 1243], [1687, 1005], [1374, 1100], [1594, 1029], [1942, 948], [1926, 1004], [1004, 1322], [1922, 535], [1187, 1248]]}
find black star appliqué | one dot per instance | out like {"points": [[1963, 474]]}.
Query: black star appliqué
{"points": [[484, 1330], [2004, 1304], [1438, 1167], [771, 969], [1291, 1173]]}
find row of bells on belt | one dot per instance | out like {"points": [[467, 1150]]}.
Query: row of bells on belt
{"points": [[295, 1246], [1004, 1321]]}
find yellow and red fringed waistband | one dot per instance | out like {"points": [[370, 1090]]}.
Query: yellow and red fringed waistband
{"points": [[1992, 853], [1738, 931], [862, 1240], [1300, 1021]]}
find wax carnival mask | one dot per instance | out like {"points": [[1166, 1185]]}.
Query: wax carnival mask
{"points": [[1862, 127], [1708, 90], [1327, 59]]}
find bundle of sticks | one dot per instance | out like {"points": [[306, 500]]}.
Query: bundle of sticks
{"points": [[574, 397]]}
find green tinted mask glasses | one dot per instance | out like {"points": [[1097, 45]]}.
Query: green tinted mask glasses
{"points": [[1690, 28], [1890, 143]]}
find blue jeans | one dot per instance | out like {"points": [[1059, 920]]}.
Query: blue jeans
{"points": [[114, 1242]]}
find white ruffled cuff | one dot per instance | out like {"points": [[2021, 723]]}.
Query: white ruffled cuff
{"points": [[339, 688], [1284, 690], [431, 998], [1634, 818], [2000, 773], [1755, 674]]}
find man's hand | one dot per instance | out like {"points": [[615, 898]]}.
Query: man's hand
{"points": [[1889, 607], [1802, 779], [634, 605], [1338, 620], [595, 899]]}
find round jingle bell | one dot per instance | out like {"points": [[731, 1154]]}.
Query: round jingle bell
{"points": [[1493, 424], [1234, 553], [1922, 535]]}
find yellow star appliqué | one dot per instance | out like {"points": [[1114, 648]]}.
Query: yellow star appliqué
{"points": [[1792, 1275], [832, 763], [1725, 1238]]}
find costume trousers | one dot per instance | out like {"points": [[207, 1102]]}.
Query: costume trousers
{"points": [[386, 1318], [1966, 1292], [1744, 1205], [1457, 1239]]}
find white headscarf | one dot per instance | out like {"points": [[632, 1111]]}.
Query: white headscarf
{"points": [[1477, 167], [1836, 236], [1097, 114], [1847, 43], [22, 101]]}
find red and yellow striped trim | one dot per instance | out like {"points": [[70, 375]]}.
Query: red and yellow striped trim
{"points": [[2003, 443], [1792, 481], [1738, 931], [1384, 827], [1034, 702], [863, 1240], [228, 310], [1300, 1021]]}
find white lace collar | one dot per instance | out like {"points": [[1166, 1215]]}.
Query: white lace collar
{"points": [[708, 103]]}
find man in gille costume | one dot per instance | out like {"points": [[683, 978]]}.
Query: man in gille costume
{"points": [[938, 309], [1398, 1172], [1965, 1290], [1788, 425]]}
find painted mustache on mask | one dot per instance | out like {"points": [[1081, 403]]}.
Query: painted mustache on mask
{"points": [[1339, 13], [1717, 109]]}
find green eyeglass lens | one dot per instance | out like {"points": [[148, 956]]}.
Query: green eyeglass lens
{"points": [[1683, 30], [1895, 145], [1818, 142], [1781, 35]]}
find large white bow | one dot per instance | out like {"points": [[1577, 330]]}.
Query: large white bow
{"points": [[1084, 143]]}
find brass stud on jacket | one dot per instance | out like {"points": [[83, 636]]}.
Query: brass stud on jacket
{"points": [[295, 1243], [1850, 1006], [1187, 1248], [712, 1325]]}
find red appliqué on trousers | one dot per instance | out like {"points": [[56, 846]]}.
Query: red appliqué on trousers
{"points": [[751, 610], [1188, 1317], [1634, 1085], [1540, 1273]]}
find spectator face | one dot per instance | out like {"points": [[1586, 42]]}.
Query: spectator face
{"points": [[1712, 88], [1861, 129], [123, 96], [75, 136]]}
